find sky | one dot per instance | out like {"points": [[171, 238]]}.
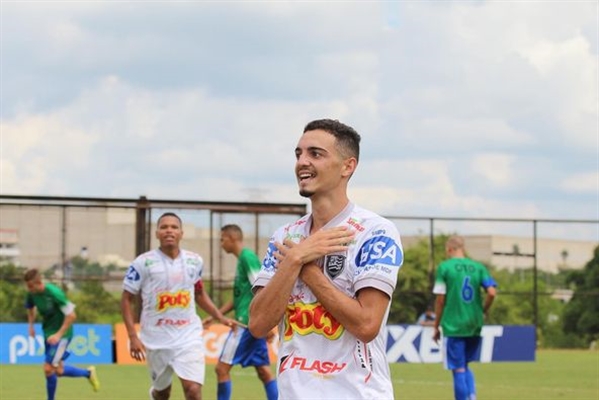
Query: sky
{"points": [[466, 108]]}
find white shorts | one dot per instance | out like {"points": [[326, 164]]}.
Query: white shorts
{"points": [[187, 362]]}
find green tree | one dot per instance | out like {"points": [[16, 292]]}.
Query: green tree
{"points": [[581, 314], [95, 304], [414, 291], [12, 294]]}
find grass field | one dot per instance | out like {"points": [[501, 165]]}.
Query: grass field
{"points": [[555, 375]]}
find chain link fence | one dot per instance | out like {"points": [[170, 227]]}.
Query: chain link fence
{"points": [[52, 233]]}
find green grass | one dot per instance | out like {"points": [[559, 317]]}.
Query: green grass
{"points": [[556, 374]]}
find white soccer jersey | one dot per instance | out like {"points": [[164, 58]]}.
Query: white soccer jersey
{"points": [[168, 316], [318, 357]]}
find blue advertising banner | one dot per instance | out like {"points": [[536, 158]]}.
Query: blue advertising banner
{"points": [[91, 344], [415, 344]]}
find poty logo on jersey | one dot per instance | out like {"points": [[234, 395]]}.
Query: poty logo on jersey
{"points": [[168, 300], [303, 364], [381, 250], [311, 318], [132, 274]]}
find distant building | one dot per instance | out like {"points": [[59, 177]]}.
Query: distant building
{"points": [[33, 237], [514, 252], [9, 246]]}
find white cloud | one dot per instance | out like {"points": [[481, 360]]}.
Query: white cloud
{"points": [[495, 168], [465, 108], [586, 182]]}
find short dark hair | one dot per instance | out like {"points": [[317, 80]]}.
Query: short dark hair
{"points": [[31, 275], [348, 140], [169, 214], [234, 229]]}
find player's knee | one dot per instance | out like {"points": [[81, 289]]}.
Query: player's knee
{"points": [[264, 374], [163, 394], [222, 371], [193, 391], [48, 369]]}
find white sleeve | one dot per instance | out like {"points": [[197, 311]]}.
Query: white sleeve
{"points": [[439, 288], [132, 281], [269, 263], [67, 308], [379, 258]]}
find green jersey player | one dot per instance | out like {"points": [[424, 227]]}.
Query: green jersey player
{"points": [[459, 311], [58, 315], [241, 348]]}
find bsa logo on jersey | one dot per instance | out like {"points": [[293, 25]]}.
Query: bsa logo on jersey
{"points": [[334, 264], [379, 250]]}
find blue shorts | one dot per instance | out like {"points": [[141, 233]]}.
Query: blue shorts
{"points": [[459, 351], [244, 349], [55, 353]]}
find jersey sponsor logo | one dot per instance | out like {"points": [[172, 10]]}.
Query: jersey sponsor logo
{"points": [[379, 250], [296, 237], [172, 322], [149, 262], [132, 274], [192, 261], [334, 264], [296, 297], [355, 223], [191, 272], [269, 263], [303, 364], [299, 222], [305, 319], [166, 300]]}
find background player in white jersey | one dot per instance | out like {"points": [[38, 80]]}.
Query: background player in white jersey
{"points": [[328, 278], [169, 279]]}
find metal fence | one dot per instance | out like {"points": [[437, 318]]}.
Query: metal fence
{"points": [[542, 246], [48, 232]]}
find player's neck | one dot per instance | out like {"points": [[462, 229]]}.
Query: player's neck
{"points": [[172, 252], [325, 209], [238, 249]]}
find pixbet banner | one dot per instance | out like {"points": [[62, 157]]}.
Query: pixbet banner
{"points": [[91, 344]]}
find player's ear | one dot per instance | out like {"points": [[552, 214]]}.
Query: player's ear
{"points": [[349, 166]]}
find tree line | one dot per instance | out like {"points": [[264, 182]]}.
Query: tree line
{"points": [[571, 324]]}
